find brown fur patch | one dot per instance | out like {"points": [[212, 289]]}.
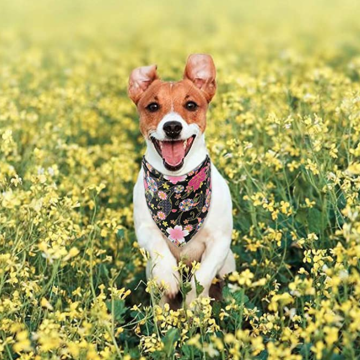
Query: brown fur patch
{"points": [[171, 97], [216, 289]]}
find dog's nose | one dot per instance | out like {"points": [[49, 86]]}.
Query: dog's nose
{"points": [[172, 129]]}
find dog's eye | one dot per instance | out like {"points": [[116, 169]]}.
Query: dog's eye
{"points": [[191, 106], [153, 107]]}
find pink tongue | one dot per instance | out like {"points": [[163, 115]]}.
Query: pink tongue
{"points": [[173, 152]]}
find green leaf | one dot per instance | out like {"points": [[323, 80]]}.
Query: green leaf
{"points": [[185, 288], [240, 297], [120, 233], [118, 308], [216, 309], [186, 351], [317, 220], [199, 287], [301, 216], [305, 349], [337, 357], [263, 355], [169, 340]]}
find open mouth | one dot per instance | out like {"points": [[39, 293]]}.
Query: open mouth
{"points": [[173, 152]]}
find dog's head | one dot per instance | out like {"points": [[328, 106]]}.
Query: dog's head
{"points": [[173, 114]]}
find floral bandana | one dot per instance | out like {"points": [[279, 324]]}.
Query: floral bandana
{"points": [[178, 204]]}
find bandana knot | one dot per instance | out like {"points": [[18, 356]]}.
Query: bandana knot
{"points": [[178, 204]]}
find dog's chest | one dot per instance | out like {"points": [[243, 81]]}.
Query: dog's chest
{"points": [[217, 224], [192, 250]]}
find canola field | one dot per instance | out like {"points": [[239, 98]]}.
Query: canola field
{"points": [[283, 129]]}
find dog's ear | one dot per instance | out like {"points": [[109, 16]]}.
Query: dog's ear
{"points": [[200, 69], [140, 79]]}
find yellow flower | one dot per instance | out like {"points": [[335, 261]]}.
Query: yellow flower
{"points": [[45, 304], [318, 349], [22, 342], [244, 278]]}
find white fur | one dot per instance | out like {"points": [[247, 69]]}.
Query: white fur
{"points": [[214, 236], [194, 157]]}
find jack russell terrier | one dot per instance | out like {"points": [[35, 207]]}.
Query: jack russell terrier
{"points": [[182, 205]]}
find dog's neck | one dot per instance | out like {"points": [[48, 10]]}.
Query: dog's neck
{"points": [[195, 157]]}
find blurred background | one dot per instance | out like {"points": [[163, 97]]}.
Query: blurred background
{"points": [[231, 28]]}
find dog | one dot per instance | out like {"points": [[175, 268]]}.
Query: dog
{"points": [[182, 205]]}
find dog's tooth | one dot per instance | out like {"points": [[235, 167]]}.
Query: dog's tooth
{"points": [[185, 142]]}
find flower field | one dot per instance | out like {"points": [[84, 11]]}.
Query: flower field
{"points": [[283, 129]]}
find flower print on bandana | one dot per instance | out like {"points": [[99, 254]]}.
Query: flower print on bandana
{"points": [[197, 180], [151, 183], [178, 204], [178, 189], [175, 179], [177, 234], [186, 205], [199, 225], [162, 195]]}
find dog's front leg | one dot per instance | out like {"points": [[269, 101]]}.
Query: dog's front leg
{"points": [[212, 261], [162, 262]]}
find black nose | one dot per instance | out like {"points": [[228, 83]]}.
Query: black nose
{"points": [[172, 129]]}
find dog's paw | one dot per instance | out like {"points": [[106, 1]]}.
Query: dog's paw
{"points": [[167, 278]]}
